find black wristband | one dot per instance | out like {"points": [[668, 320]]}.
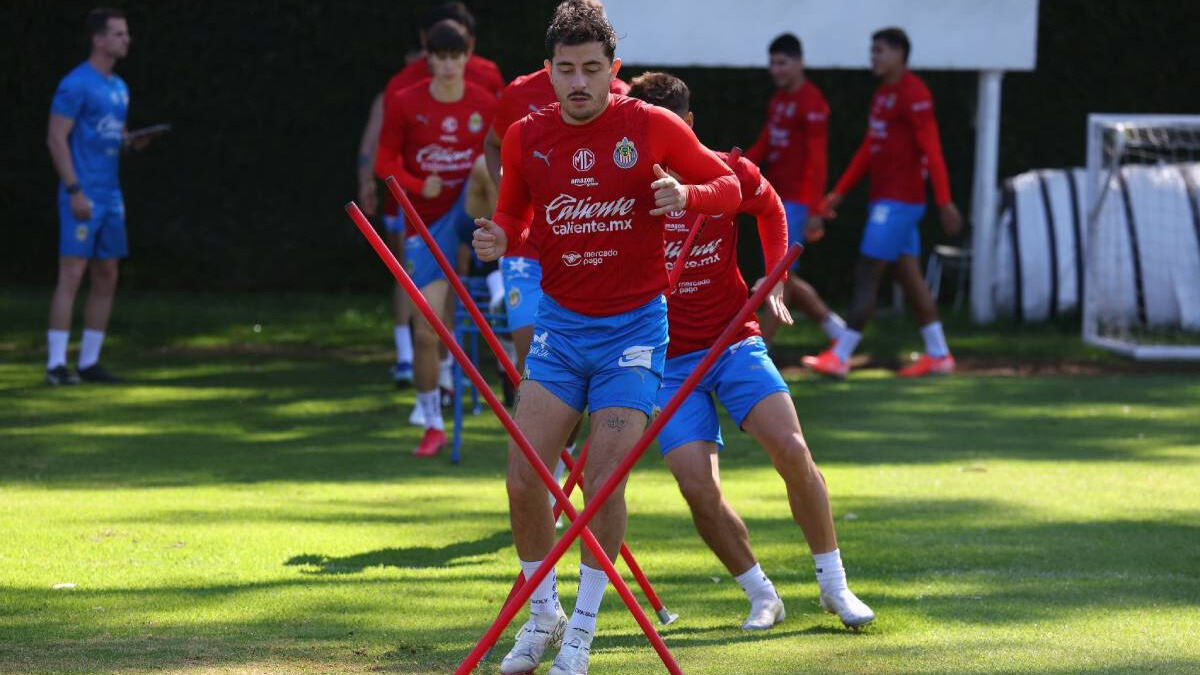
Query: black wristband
{"points": [[73, 188]]}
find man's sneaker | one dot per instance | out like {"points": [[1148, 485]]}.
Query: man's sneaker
{"points": [[853, 612], [827, 363], [765, 613], [97, 373], [402, 374], [60, 375], [929, 365], [540, 632], [433, 441], [572, 659]]}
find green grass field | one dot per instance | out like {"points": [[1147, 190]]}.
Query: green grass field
{"points": [[246, 503]]}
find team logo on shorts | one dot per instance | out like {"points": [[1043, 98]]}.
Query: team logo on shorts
{"points": [[514, 297], [475, 123], [539, 347], [638, 356], [625, 154], [449, 125], [571, 258], [81, 233], [583, 160]]}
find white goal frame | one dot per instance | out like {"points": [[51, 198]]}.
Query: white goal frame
{"points": [[1099, 177]]}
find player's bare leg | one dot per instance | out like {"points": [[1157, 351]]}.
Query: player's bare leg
{"points": [[102, 275], [937, 359], [62, 305], [426, 370], [546, 421], [402, 370], [695, 467], [835, 361], [773, 423]]}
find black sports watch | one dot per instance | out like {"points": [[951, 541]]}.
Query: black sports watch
{"points": [[73, 188]]}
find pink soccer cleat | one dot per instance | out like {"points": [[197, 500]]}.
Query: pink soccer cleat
{"points": [[432, 442], [827, 363], [929, 365]]}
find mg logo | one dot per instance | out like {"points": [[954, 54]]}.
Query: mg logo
{"points": [[583, 160]]}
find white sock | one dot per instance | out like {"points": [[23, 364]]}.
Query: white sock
{"points": [[831, 576], [592, 583], [846, 344], [89, 348], [935, 340], [402, 334], [56, 348], [431, 407], [545, 598], [755, 583], [833, 325]]}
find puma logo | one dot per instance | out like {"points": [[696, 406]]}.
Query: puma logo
{"points": [[544, 157]]}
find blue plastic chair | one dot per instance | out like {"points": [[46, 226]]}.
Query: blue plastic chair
{"points": [[468, 336]]}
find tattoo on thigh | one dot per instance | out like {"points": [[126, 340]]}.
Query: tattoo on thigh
{"points": [[616, 422]]}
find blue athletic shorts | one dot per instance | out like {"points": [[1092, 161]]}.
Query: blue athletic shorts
{"points": [[600, 362], [742, 376], [893, 230], [101, 238], [394, 224], [448, 232], [797, 219], [522, 290]]}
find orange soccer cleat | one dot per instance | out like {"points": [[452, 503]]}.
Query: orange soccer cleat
{"points": [[929, 365], [433, 441], [827, 363]]}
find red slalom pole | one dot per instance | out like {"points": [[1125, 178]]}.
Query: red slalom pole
{"points": [[410, 215], [413, 218], [626, 465], [497, 407]]}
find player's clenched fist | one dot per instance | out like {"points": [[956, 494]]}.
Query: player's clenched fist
{"points": [[489, 241], [669, 195]]}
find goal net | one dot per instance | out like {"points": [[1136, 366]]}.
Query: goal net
{"points": [[1142, 279]]}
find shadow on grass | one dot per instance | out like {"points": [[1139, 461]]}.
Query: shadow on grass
{"points": [[237, 420], [415, 557]]}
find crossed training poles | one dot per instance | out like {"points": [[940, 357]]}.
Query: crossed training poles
{"points": [[489, 335], [578, 527]]}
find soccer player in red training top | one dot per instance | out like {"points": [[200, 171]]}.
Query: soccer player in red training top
{"points": [[520, 266], [584, 179], [792, 145], [900, 147], [432, 133], [480, 71], [710, 292]]}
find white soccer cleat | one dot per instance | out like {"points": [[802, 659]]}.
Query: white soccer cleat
{"points": [[572, 659], [853, 612], [765, 613], [533, 639]]}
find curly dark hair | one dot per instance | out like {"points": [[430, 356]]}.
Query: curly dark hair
{"points": [[663, 90], [577, 23]]}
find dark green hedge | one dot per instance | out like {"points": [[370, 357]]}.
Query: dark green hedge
{"points": [[268, 100]]}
